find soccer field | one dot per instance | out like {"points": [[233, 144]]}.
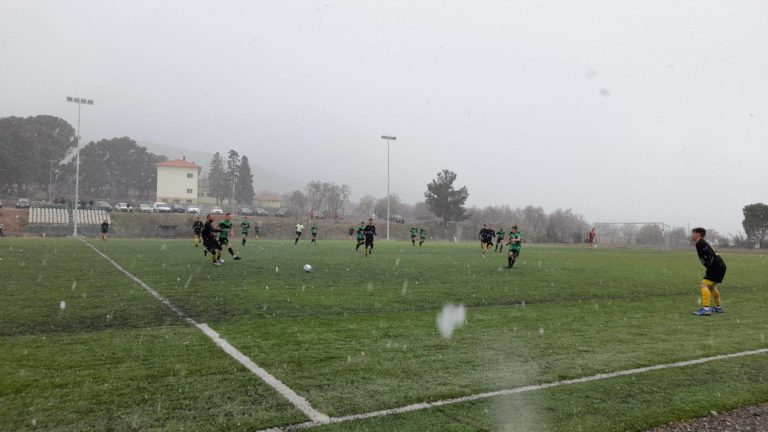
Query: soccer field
{"points": [[85, 347]]}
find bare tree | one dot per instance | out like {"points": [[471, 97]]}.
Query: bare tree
{"points": [[297, 202], [336, 197], [366, 205], [315, 195]]}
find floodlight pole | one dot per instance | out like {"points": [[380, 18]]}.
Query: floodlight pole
{"points": [[79, 102], [388, 139], [234, 177]]}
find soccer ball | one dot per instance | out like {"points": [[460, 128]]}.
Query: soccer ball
{"points": [[307, 268]]}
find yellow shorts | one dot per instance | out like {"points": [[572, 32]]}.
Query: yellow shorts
{"points": [[708, 283]]}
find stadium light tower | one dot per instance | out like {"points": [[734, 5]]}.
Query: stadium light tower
{"points": [[388, 139], [80, 102]]}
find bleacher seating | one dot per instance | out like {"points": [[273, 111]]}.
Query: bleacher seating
{"points": [[48, 215], [92, 217], [56, 215]]}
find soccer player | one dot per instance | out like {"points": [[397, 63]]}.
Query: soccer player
{"points": [[197, 227], [210, 243], [360, 235], [244, 227], [104, 230], [500, 240], [515, 242], [257, 230], [482, 235], [414, 231], [422, 235], [592, 235], [486, 238], [370, 232], [299, 230], [225, 229], [714, 275], [313, 231]]}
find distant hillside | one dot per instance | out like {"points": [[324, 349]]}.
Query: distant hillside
{"points": [[263, 179]]}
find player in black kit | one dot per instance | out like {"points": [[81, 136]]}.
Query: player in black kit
{"points": [[369, 231]]}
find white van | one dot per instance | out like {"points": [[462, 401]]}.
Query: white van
{"points": [[161, 207]]}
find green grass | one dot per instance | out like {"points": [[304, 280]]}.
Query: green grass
{"points": [[359, 334]]}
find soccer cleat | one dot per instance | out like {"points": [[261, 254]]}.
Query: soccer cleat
{"points": [[217, 263], [719, 309], [237, 258], [703, 312], [221, 261]]}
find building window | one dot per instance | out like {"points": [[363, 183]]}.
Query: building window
{"points": [[189, 191], [189, 201], [190, 175]]}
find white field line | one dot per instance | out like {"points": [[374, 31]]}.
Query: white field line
{"points": [[506, 392], [299, 402]]}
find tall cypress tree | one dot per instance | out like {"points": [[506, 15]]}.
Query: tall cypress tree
{"points": [[244, 188], [217, 182]]}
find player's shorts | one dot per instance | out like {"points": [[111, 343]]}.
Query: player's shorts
{"points": [[212, 245], [369, 241], [515, 252], [224, 241], [298, 233], [714, 275], [245, 233], [197, 232]]}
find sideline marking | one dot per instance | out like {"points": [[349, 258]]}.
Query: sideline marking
{"points": [[506, 392], [299, 402]]}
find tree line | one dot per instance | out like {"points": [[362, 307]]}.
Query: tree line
{"points": [[39, 156], [231, 178]]}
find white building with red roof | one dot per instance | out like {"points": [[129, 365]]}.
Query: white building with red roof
{"points": [[177, 181]]}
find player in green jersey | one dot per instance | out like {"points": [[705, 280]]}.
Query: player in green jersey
{"points": [[245, 226], [360, 236], [226, 229], [500, 240], [313, 231], [422, 235], [514, 242], [414, 232]]}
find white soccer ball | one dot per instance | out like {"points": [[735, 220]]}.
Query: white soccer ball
{"points": [[307, 268]]}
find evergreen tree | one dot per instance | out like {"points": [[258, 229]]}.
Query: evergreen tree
{"points": [[444, 200], [217, 182], [244, 188], [233, 166]]}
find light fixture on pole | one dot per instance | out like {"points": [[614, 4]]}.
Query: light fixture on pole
{"points": [[79, 102], [388, 139]]}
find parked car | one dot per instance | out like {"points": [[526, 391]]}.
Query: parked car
{"points": [[397, 219], [121, 207], [178, 208], [22, 203], [161, 207], [193, 208], [282, 212], [217, 210], [245, 211], [261, 212], [102, 205], [145, 208]]}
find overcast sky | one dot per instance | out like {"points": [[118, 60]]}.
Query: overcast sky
{"points": [[621, 110]]}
